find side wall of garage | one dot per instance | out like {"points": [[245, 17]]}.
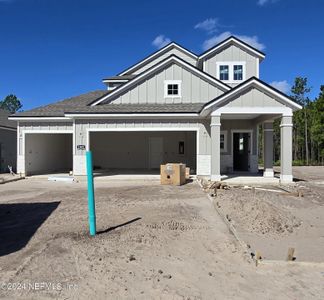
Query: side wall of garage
{"points": [[8, 149]]}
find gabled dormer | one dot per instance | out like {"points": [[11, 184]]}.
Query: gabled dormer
{"points": [[231, 61]]}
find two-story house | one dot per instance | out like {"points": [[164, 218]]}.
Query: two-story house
{"points": [[173, 106]]}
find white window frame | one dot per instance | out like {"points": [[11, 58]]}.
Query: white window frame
{"points": [[230, 65], [166, 83], [224, 132]]}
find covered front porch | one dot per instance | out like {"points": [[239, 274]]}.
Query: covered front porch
{"points": [[235, 145], [235, 120]]}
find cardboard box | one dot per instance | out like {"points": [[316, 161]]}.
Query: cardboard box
{"points": [[173, 174]]}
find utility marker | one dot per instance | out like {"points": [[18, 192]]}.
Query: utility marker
{"points": [[91, 198]]}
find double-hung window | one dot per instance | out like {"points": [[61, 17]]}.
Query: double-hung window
{"points": [[223, 72], [223, 141], [237, 72], [231, 72]]}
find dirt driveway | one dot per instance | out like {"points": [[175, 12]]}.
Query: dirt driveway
{"points": [[154, 242]]}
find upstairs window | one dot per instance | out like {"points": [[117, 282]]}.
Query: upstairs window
{"points": [[172, 88], [230, 71], [238, 72], [223, 72]]}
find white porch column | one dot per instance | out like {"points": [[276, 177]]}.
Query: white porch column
{"points": [[215, 148], [286, 149], [268, 149]]}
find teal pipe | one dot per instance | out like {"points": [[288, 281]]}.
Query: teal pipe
{"points": [[91, 198]]}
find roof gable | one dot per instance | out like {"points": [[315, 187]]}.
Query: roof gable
{"points": [[264, 96], [170, 60], [169, 47], [232, 41]]}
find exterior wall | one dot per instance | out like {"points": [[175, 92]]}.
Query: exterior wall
{"points": [[36, 127], [232, 53], [131, 150], [83, 128], [254, 98], [228, 126], [193, 88], [8, 149], [174, 51]]}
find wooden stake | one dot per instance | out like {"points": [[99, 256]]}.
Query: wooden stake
{"points": [[290, 256], [257, 257]]}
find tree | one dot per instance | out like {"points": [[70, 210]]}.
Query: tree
{"points": [[11, 103], [317, 127], [299, 91]]}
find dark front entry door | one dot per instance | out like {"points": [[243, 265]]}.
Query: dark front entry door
{"points": [[241, 151]]}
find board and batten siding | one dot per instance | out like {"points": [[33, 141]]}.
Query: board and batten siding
{"points": [[229, 54], [191, 60], [83, 130], [254, 98], [194, 89]]}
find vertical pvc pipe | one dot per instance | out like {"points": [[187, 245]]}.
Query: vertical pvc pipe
{"points": [[91, 198]]}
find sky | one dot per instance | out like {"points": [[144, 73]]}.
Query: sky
{"points": [[55, 49]]}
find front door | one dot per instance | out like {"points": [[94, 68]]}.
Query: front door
{"points": [[241, 151], [156, 152]]}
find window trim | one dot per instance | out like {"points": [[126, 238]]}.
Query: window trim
{"points": [[224, 132], [231, 65], [166, 83]]}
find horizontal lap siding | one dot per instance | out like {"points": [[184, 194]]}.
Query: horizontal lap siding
{"points": [[46, 126]]}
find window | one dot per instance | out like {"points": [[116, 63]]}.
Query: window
{"points": [[238, 72], [231, 71], [223, 141], [181, 148], [172, 88], [223, 72]]}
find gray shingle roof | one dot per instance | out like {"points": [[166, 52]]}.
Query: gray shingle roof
{"points": [[141, 108], [80, 104], [58, 109], [122, 77], [4, 122]]}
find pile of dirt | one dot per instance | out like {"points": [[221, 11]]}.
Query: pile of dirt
{"points": [[254, 213]]}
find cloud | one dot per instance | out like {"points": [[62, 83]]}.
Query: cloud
{"points": [[251, 40], [160, 41], [209, 25], [282, 86], [264, 2]]}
